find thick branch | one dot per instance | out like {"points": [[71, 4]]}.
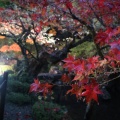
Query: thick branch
{"points": [[59, 55], [49, 76]]}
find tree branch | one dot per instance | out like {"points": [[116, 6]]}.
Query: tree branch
{"points": [[81, 21], [98, 18]]}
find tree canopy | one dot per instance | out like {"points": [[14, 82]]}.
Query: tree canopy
{"points": [[72, 22]]}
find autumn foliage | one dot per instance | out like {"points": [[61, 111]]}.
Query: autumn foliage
{"points": [[86, 83], [38, 87], [92, 20], [14, 47]]}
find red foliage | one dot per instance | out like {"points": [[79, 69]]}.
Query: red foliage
{"points": [[76, 89], [69, 62], [68, 4], [85, 15], [82, 69], [65, 78], [91, 91], [38, 87]]}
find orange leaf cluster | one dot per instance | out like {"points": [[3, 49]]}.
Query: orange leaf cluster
{"points": [[53, 32], [14, 47], [4, 48], [2, 37], [30, 41]]}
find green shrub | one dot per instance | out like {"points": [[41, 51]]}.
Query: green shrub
{"points": [[17, 86], [18, 98], [43, 110], [86, 49], [25, 77], [11, 77], [4, 3]]}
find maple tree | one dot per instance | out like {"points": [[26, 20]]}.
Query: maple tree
{"points": [[86, 20]]}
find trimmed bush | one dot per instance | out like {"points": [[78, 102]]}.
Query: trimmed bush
{"points": [[17, 86], [86, 49], [25, 77], [43, 110], [18, 98]]}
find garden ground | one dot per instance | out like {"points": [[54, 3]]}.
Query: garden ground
{"points": [[106, 110], [15, 112]]}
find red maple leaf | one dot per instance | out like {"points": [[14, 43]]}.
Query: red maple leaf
{"points": [[38, 29], [79, 65], [103, 37], [35, 86], [115, 44], [79, 75], [65, 78], [47, 88], [38, 87], [69, 62], [92, 62], [68, 4], [34, 16], [114, 54], [76, 89], [44, 3], [101, 3], [91, 91], [69, 59]]}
